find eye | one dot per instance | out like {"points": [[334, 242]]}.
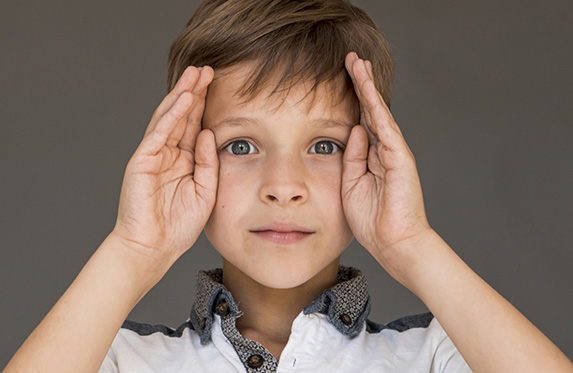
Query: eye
{"points": [[240, 147], [324, 147]]}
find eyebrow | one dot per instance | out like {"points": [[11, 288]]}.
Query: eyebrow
{"points": [[237, 122], [244, 121], [330, 123]]}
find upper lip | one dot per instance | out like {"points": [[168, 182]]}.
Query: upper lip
{"points": [[282, 227]]}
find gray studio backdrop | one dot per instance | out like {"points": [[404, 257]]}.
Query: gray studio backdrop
{"points": [[483, 94]]}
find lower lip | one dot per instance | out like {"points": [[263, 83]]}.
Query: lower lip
{"points": [[282, 238]]}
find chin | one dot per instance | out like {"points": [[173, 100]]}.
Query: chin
{"points": [[280, 267], [281, 274], [277, 277]]}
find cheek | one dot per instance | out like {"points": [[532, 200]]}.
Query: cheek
{"points": [[327, 177], [232, 194], [334, 217], [327, 184]]}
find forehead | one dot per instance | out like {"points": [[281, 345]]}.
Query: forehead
{"points": [[329, 100]]}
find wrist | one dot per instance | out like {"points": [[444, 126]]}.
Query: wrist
{"points": [[140, 270], [407, 259]]}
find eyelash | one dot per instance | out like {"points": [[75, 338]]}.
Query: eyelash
{"points": [[229, 147]]}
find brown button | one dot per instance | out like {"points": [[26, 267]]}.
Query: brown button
{"points": [[255, 361], [203, 322], [346, 320], [222, 309]]}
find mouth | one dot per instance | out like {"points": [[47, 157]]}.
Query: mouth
{"points": [[282, 234]]}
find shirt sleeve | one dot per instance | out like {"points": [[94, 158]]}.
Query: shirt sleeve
{"points": [[448, 359], [109, 363]]}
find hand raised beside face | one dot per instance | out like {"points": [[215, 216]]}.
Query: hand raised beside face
{"points": [[170, 182], [381, 191]]}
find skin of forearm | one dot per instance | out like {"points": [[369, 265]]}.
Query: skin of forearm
{"points": [[78, 331], [491, 334]]}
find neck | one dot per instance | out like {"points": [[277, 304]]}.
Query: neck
{"points": [[268, 313]]}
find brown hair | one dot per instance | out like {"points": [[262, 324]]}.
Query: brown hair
{"points": [[290, 40]]}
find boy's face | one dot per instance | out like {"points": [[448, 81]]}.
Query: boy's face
{"points": [[278, 216]]}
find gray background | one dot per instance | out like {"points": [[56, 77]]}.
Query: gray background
{"points": [[483, 94]]}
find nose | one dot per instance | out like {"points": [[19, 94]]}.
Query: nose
{"points": [[284, 181]]}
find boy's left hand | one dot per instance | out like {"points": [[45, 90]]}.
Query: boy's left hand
{"points": [[383, 204], [381, 191]]}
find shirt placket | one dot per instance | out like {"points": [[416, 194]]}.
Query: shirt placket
{"points": [[254, 357]]}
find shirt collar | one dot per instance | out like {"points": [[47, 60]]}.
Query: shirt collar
{"points": [[347, 304]]}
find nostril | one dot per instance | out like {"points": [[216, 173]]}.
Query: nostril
{"points": [[296, 198]]}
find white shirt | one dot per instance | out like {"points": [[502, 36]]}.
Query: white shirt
{"points": [[332, 334]]}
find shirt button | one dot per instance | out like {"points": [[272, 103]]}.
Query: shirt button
{"points": [[346, 320], [222, 309], [255, 361]]}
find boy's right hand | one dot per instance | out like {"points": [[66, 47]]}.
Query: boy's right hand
{"points": [[170, 182]]}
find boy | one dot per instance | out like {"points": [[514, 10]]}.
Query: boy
{"points": [[270, 163]]}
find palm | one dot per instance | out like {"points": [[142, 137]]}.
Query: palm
{"points": [[381, 192], [166, 197], [162, 196]]}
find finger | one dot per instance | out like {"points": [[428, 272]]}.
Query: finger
{"points": [[205, 78], [371, 101], [206, 168], [185, 83], [380, 120], [193, 125], [354, 160], [392, 143], [380, 101], [198, 90], [383, 131], [369, 69], [371, 75], [157, 139], [348, 62], [193, 120], [351, 61]]}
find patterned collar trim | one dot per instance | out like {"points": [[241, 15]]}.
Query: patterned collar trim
{"points": [[347, 304]]}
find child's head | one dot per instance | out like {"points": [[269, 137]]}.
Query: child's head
{"points": [[281, 107], [288, 41]]}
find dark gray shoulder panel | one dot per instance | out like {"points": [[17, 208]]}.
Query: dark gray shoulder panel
{"points": [[147, 329], [373, 327], [408, 322]]}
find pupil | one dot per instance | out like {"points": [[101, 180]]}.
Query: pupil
{"points": [[241, 147]]}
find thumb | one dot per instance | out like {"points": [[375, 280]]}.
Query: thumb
{"points": [[354, 161], [206, 168]]}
